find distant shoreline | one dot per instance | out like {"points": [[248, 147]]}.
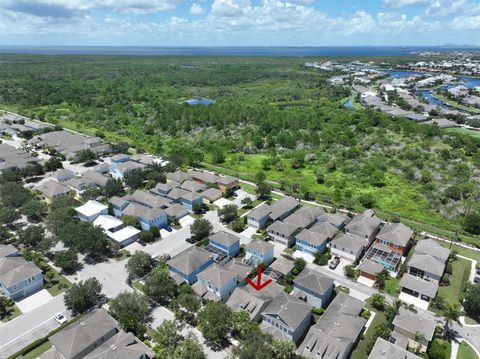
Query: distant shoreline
{"points": [[265, 51]]}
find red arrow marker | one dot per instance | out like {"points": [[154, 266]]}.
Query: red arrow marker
{"points": [[259, 285]]}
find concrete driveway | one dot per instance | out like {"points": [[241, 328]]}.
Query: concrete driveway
{"points": [[23, 330], [172, 245], [34, 301], [222, 202]]}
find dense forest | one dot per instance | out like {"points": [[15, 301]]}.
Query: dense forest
{"points": [[270, 115]]}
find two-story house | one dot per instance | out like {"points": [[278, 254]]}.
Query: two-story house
{"points": [[384, 349], [259, 251], [226, 242], [409, 324], [364, 225], [336, 332], [118, 171], [162, 189], [283, 232], [91, 210], [286, 317], [215, 283], [148, 217], [185, 266], [311, 242], [316, 288], [227, 183], [19, 278], [190, 200], [395, 236], [337, 219], [96, 335], [259, 217], [347, 246]]}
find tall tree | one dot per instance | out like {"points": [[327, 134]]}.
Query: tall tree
{"points": [[215, 321], [139, 264], [82, 296], [131, 310], [201, 228]]}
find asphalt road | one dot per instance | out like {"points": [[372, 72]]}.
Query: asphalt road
{"points": [[21, 331]]}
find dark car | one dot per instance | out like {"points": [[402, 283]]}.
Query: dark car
{"points": [[168, 228], [142, 242], [189, 240], [334, 263]]}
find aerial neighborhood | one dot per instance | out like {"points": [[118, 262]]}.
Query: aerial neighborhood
{"points": [[110, 253]]}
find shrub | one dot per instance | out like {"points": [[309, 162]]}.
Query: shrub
{"points": [[318, 311]]}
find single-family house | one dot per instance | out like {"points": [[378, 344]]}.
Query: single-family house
{"points": [[51, 190], [176, 210], [188, 264], [337, 219], [96, 335], [190, 200], [193, 186], [311, 242], [124, 236], [19, 278], [336, 332], [162, 189], [62, 175], [383, 349], [211, 195], [97, 178], [119, 158], [283, 232], [396, 236], [305, 216], [418, 287], [286, 317], [203, 177], [428, 261], [118, 205], [91, 210], [364, 225], [370, 269], [325, 228], [227, 242], [215, 283], [347, 246], [108, 223], [315, 287], [148, 199], [253, 301], [282, 208], [178, 176], [259, 251], [176, 194], [148, 217], [227, 183], [410, 324], [259, 216], [118, 171]]}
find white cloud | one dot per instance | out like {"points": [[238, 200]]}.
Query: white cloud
{"points": [[466, 23], [196, 9], [402, 3]]}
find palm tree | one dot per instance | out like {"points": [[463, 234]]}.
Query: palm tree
{"points": [[451, 314], [378, 301]]}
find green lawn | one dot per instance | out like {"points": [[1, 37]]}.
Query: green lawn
{"points": [[455, 103], [466, 352], [35, 353], [13, 312], [458, 281], [137, 285], [360, 352]]}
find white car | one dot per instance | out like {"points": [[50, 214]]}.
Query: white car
{"points": [[60, 318]]}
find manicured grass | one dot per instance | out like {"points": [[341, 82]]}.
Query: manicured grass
{"points": [[138, 285], [458, 281], [392, 286], [60, 283], [455, 103], [475, 255], [360, 352], [13, 312], [466, 352], [35, 353]]}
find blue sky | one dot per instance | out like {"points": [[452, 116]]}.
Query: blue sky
{"points": [[239, 22]]}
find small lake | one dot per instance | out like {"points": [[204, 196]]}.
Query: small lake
{"points": [[349, 104], [199, 101]]}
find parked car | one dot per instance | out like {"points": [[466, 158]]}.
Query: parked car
{"points": [[189, 240], [168, 228], [334, 263], [142, 242], [60, 318]]}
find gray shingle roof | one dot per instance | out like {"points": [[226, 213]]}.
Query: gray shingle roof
{"points": [[7, 250], [419, 285], [78, 336], [121, 346], [224, 238], [415, 322], [314, 281], [193, 186], [370, 267], [350, 242], [395, 233], [217, 275], [284, 228], [314, 238], [282, 265], [164, 187], [259, 212], [148, 199], [178, 176], [260, 246], [283, 206], [299, 220], [212, 194], [429, 246], [138, 210], [226, 180], [364, 223], [239, 268], [337, 219], [190, 260], [427, 263], [325, 228], [336, 331], [288, 309], [51, 189], [16, 269], [386, 350]]}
